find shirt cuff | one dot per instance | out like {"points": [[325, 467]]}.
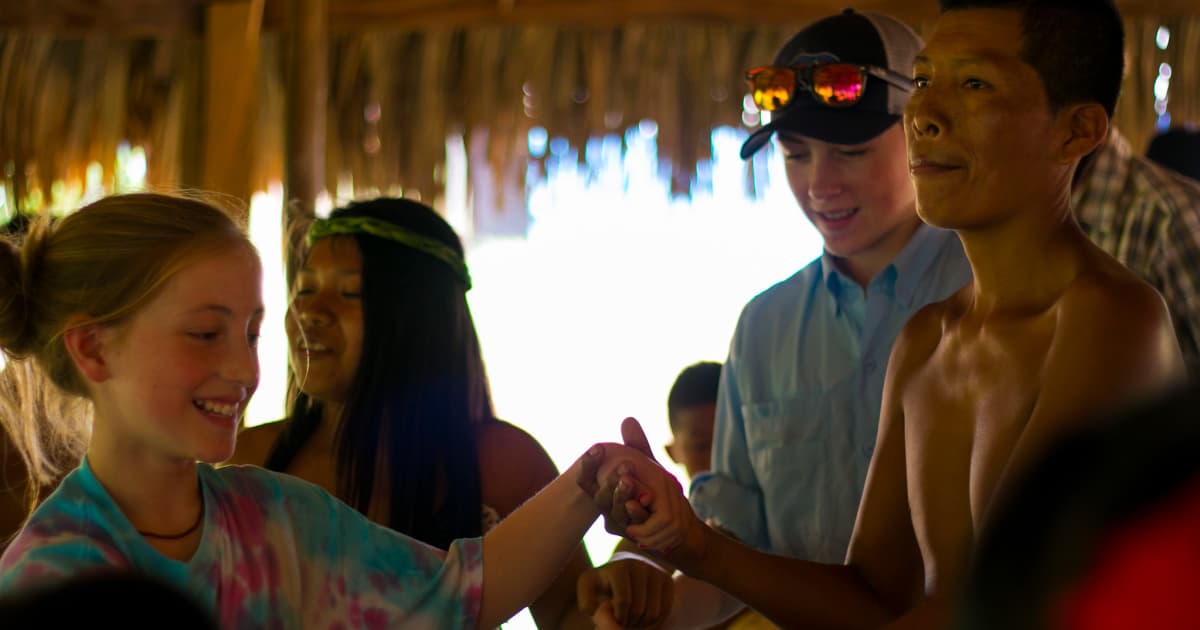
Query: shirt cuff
{"points": [[722, 502]]}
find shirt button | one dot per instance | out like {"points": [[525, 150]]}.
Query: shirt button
{"points": [[869, 365]]}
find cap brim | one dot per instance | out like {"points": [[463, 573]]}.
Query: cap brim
{"points": [[837, 126]]}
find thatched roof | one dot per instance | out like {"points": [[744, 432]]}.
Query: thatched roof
{"points": [[175, 18], [210, 103]]}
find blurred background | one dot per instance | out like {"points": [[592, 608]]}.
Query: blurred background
{"points": [[586, 151]]}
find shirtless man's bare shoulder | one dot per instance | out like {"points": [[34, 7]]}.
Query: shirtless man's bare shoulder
{"points": [[979, 394], [1115, 338], [1114, 344]]}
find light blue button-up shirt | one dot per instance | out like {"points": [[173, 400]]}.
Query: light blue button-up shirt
{"points": [[798, 407]]}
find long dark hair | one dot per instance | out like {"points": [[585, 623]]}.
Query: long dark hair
{"points": [[419, 392]]}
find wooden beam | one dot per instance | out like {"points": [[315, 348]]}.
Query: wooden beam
{"points": [[375, 14], [178, 18], [115, 18], [231, 42], [307, 103], [355, 15]]}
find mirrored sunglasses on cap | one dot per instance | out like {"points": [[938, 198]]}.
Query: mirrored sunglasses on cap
{"points": [[835, 84]]}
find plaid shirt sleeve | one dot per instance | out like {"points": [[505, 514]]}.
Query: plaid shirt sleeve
{"points": [[1148, 218], [1178, 266]]}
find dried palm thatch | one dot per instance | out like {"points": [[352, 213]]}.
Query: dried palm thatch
{"points": [[395, 96], [68, 103]]}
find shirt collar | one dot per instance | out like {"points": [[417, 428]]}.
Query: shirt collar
{"points": [[906, 269]]}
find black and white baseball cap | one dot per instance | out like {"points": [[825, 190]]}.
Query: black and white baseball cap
{"points": [[871, 39]]}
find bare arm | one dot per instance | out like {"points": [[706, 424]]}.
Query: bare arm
{"points": [[789, 591], [527, 550], [514, 467], [556, 608], [883, 575], [884, 544]]}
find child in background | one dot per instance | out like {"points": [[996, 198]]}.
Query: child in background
{"points": [[149, 307], [691, 409]]}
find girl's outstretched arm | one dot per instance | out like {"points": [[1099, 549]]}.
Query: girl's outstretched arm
{"points": [[527, 550]]}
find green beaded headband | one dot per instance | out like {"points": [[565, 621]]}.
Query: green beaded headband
{"points": [[322, 228]]}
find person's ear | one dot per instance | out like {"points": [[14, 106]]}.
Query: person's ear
{"points": [[672, 449], [85, 343], [1085, 126]]}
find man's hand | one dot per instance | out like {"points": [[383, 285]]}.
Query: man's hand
{"points": [[620, 496], [625, 594], [637, 497]]}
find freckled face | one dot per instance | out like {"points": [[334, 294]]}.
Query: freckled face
{"points": [[184, 366]]}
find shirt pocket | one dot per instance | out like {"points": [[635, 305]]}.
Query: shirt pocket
{"points": [[800, 457], [785, 438]]}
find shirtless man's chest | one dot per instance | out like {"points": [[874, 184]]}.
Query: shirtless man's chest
{"points": [[965, 411]]}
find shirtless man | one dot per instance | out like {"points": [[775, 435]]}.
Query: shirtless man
{"points": [[1008, 99]]}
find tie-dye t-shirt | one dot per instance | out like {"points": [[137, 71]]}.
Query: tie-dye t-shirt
{"points": [[276, 552]]}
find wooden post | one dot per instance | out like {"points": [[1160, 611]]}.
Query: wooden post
{"points": [[231, 42], [307, 101]]}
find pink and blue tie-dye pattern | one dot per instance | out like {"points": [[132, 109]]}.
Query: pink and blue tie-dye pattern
{"points": [[276, 552]]}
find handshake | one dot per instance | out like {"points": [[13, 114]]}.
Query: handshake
{"points": [[645, 505]]}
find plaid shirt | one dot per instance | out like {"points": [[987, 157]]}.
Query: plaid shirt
{"points": [[1149, 219]]}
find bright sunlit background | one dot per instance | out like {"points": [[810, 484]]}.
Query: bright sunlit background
{"points": [[616, 288], [588, 318]]}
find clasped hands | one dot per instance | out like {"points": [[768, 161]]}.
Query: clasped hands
{"points": [[646, 505]]}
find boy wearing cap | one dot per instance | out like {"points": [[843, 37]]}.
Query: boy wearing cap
{"points": [[800, 393], [1009, 97]]}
